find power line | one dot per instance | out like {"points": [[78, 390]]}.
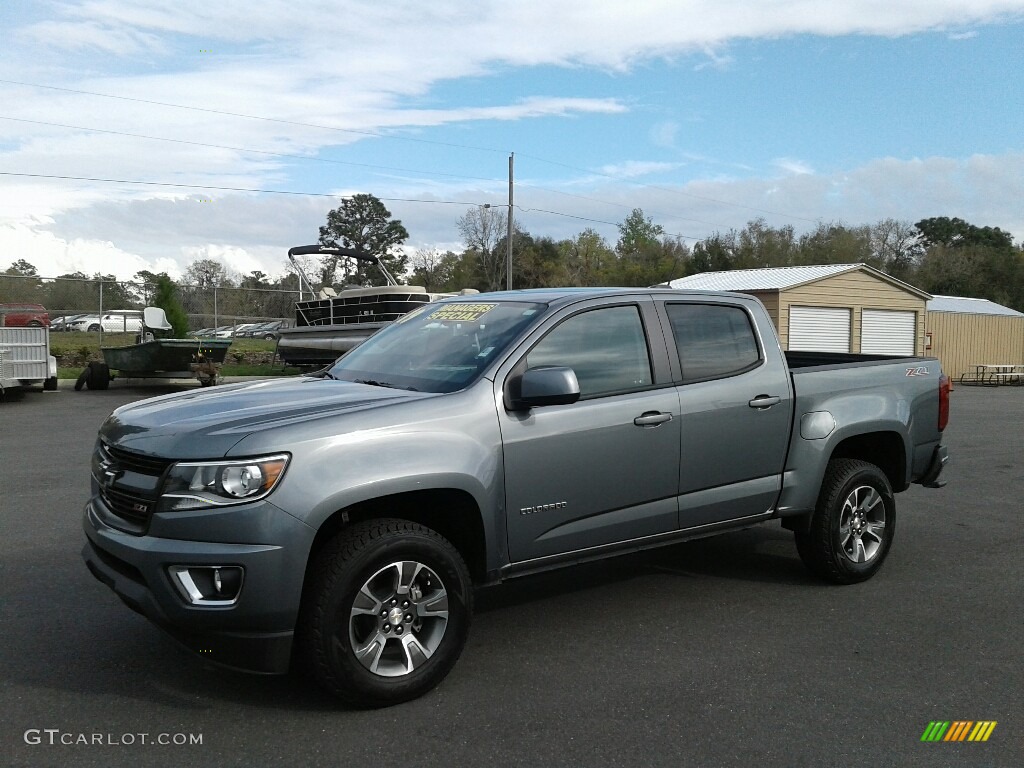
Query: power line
{"points": [[228, 189], [408, 138], [177, 185], [254, 117], [338, 162], [596, 221], [620, 205], [245, 149]]}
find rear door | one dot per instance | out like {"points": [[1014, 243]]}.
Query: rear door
{"points": [[735, 410], [603, 469]]}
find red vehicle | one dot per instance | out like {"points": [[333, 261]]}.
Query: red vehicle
{"points": [[24, 314]]}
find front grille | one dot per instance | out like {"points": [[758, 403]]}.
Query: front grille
{"points": [[136, 462], [118, 473], [134, 509]]}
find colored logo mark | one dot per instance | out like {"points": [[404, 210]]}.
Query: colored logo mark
{"points": [[958, 730]]}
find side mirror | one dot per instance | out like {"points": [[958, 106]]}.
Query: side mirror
{"points": [[554, 385]]}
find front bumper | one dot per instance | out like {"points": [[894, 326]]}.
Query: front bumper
{"points": [[255, 633]]}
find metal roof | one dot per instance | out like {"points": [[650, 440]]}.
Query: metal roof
{"points": [[965, 305], [781, 278], [770, 279]]}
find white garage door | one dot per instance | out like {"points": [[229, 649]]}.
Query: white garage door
{"points": [[819, 329], [885, 332]]}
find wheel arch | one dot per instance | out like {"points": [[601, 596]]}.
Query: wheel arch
{"points": [[885, 449], [451, 512]]}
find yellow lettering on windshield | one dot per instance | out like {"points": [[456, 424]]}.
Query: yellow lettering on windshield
{"points": [[462, 313]]}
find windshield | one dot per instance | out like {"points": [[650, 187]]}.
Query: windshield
{"points": [[437, 348]]}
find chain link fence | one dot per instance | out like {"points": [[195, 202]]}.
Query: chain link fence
{"points": [[110, 307]]}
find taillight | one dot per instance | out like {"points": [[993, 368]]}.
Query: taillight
{"points": [[943, 401]]}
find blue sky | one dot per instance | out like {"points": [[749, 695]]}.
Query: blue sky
{"points": [[704, 114]]}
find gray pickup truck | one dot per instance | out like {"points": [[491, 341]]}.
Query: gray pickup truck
{"points": [[342, 520]]}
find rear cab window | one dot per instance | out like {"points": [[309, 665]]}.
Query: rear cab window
{"points": [[714, 341]]}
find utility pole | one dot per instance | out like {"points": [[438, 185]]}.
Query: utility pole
{"points": [[508, 237]]}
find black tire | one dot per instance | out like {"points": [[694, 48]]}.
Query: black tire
{"points": [[33, 324], [369, 555], [95, 328], [99, 376], [83, 379], [50, 384], [853, 525]]}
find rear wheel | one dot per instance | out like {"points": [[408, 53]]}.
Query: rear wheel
{"points": [[853, 525], [95, 328], [386, 613]]}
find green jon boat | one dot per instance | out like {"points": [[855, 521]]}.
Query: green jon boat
{"points": [[167, 358]]}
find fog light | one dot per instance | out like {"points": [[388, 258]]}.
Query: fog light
{"points": [[211, 585]]}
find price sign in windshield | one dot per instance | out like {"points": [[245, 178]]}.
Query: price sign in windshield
{"points": [[461, 313]]}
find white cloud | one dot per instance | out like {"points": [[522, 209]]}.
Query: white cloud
{"points": [[635, 168], [792, 166], [664, 133]]}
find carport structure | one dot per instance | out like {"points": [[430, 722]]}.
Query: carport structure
{"points": [[965, 333], [831, 307]]}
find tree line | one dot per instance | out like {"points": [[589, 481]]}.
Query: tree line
{"points": [[940, 255]]}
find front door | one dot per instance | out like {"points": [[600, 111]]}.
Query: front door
{"points": [[601, 470]]}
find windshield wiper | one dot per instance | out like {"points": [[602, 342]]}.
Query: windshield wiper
{"points": [[374, 383]]}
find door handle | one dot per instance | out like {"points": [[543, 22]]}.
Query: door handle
{"points": [[763, 402], [652, 419]]}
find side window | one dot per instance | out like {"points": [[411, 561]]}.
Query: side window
{"points": [[605, 347], [713, 340]]}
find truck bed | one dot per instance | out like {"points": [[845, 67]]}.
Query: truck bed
{"points": [[797, 360]]}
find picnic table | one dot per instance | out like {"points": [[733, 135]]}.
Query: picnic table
{"points": [[994, 374]]}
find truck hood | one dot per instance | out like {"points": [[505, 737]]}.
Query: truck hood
{"points": [[205, 424]]}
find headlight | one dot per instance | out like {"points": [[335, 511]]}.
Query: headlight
{"points": [[206, 484]]}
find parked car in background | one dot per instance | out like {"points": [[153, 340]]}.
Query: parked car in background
{"points": [[61, 323], [239, 329], [115, 321], [24, 315], [266, 330]]}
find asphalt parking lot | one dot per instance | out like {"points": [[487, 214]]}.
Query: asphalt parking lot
{"points": [[720, 652]]}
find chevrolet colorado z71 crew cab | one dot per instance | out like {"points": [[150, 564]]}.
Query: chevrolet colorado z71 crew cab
{"points": [[343, 519]]}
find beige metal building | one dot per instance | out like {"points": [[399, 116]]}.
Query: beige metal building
{"points": [[964, 333], [831, 307]]}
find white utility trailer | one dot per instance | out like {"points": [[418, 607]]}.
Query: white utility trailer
{"points": [[25, 358]]}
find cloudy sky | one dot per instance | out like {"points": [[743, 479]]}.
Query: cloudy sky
{"points": [[144, 135]]}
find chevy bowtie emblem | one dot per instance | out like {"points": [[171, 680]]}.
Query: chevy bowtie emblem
{"points": [[109, 474]]}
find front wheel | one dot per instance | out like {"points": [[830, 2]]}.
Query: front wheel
{"points": [[386, 613], [853, 525]]}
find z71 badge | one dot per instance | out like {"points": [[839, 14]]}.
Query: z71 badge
{"points": [[922, 371]]}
